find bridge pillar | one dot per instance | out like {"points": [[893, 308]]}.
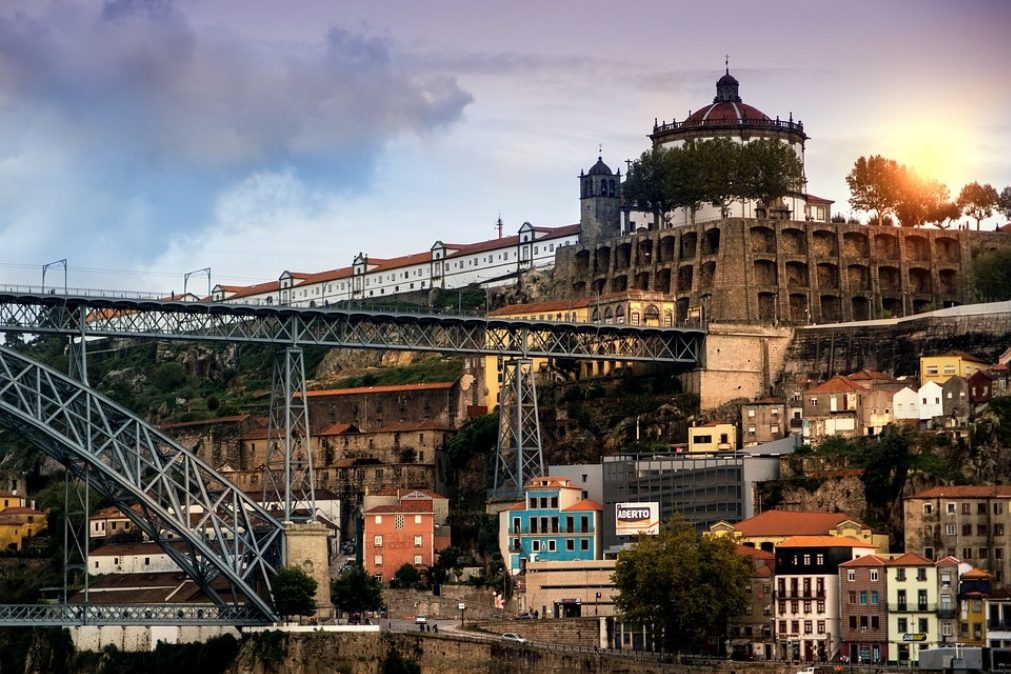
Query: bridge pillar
{"points": [[518, 457], [307, 549], [288, 477]]}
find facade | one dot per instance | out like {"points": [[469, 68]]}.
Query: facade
{"points": [[980, 388], [951, 364], [712, 437], [763, 421], [553, 523], [906, 406], [17, 525], [863, 609], [947, 599], [111, 524], [930, 401], [967, 522], [998, 618], [770, 528], [751, 634], [444, 266], [955, 401], [912, 607], [569, 589], [129, 558], [399, 534], [974, 586], [833, 409], [807, 595]]}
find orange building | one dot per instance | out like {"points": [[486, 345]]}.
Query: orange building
{"points": [[401, 533]]}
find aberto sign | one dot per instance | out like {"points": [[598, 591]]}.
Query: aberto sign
{"points": [[632, 519]]}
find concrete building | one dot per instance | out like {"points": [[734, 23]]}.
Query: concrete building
{"points": [[570, 588], [906, 406], [964, 521], [751, 634], [131, 558], [552, 523], [912, 607], [712, 437], [930, 402], [863, 609], [948, 570], [763, 421], [833, 409], [807, 595], [110, 524], [998, 618], [951, 364]]}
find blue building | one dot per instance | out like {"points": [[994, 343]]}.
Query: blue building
{"points": [[552, 523]]}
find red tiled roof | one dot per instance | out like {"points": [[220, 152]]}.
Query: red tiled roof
{"points": [[725, 112], [402, 388], [329, 275], [823, 542], [400, 492], [20, 510], [585, 504], [866, 560], [246, 291], [764, 571], [966, 491], [790, 523], [976, 574], [416, 507], [757, 553], [338, 429], [837, 384], [404, 261], [872, 375], [817, 200], [910, 559], [948, 561]]}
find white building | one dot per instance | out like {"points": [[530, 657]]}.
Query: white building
{"points": [[931, 401], [130, 558], [445, 266], [906, 405]]}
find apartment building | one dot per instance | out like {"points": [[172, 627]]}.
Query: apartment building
{"points": [[863, 609], [912, 607]]}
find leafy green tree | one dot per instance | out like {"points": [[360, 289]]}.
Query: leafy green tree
{"points": [[356, 590], [978, 201], [992, 272], [407, 576], [919, 198], [886, 464], [647, 184], [874, 185], [681, 585], [943, 214], [294, 592], [718, 165], [1004, 202], [770, 170]]}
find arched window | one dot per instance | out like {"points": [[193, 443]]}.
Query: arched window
{"points": [[652, 315], [668, 319], [608, 316], [596, 316], [619, 315]]}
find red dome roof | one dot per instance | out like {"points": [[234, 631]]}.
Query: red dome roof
{"points": [[726, 112]]}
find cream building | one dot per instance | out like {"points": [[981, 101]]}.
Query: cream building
{"points": [[912, 607], [712, 437], [939, 369]]}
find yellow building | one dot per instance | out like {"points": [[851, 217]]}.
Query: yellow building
{"points": [[767, 530], [17, 524], [940, 369], [630, 307], [974, 587], [912, 607], [712, 437]]}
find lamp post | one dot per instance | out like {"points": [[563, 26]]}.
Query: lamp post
{"points": [[187, 275], [46, 266], [463, 607]]}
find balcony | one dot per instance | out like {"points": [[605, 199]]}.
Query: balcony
{"points": [[912, 608], [946, 613]]}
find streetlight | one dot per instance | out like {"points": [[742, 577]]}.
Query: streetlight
{"points": [[463, 607], [53, 264], [187, 275]]}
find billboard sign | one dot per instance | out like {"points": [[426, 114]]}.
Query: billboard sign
{"points": [[632, 519]]}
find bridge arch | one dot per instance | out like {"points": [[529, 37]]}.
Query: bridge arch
{"points": [[225, 535]]}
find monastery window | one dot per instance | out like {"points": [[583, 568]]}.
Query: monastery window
{"points": [[998, 529], [417, 519], [966, 508], [377, 541], [377, 560], [398, 522], [535, 546], [417, 541]]}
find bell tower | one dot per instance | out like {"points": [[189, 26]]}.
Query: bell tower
{"points": [[599, 203]]}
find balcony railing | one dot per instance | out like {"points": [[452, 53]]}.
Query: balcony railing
{"points": [[912, 608]]}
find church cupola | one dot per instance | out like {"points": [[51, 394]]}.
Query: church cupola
{"points": [[727, 89]]}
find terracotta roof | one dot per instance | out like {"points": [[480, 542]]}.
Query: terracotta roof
{"points": [[329, 275], [724, 113], [404, 261], [519, 505], [817, 200], [790, 523], [403, 507], [948, 561], [976, 574], [113, 512], [338, 429], [400, 492], [585, 504], [823, 542], [866, 374], [757, 553], [866, 560], [764, 571], [910, 559], [460, 249], [548, 481], [837, 384], [401, 388], [964, 356], [966, 491], [246, 291]]}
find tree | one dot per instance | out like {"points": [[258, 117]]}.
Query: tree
{"points": [[943, 214], [355, 590], [770, 170], [407, 576], [874, 185], [294, 592], [1004, 202], [919, 199], [647, 183], [978, 201], [717, 164], [681, 585], [992, 272]]}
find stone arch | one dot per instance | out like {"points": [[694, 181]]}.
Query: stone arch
{"points": [[831, 308], [689, 245], [668, 249], [765, 273], [619, 314], [651, 315], [685, 275], [599, 286], [603, 259], [947, 249], [859, 277], [642, 280], [861, 308], [824, 244], [682, 309], [623, 256], [828, 275], [798, 308], [608, 315], [663, 278], [917, 248], [891, 307], [711, 241], [856, 244], [793, 242], [766, 306], [889, 279], [796, 275], [920, 305], [668, 318], [886, 246], [619, 283], [579, 288], [644, 252], [583, 262], [919, 280], [763, 240], [707, 274], [948, 279]]}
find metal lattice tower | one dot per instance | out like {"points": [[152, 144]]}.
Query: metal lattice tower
{"points": [[75, 533], [518, 457], [287, 467]]}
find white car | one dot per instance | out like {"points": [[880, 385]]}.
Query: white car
{"points": [[511, 636], [420, 620]]}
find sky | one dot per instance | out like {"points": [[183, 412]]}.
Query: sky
{"points": [[144, 139]]}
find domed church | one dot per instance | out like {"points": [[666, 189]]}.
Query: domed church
{"points": [[728, 116]]}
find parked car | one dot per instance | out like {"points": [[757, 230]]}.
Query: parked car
{"points": [[420, 620], [511, 636]]}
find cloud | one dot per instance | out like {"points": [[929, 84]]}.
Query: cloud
{"points": [[145, 117]]}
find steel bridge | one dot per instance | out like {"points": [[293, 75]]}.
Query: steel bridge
{"points": [[234, 541]]}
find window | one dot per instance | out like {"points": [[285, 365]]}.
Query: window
{"points": [[570, 544], [398, 521], [379, 519], [983, 553], [851, 575], [418, 541], [874, 597], [377, 541], [950, 530], [821, 627], [584, 544], [377, 560], [551, 546], [874, 575], [921, 573], [981, 530], [874, 623], [819, 559], [966, 508], [863, 596], [903, 625], [967, 530], [998, 530], [853, 597], [950, 507], [535, 546], [853, 622], [821, 606], [418, 561], [928, 508], [808, 627], [900, 574], [980, 508], [966, 553], [998, 508]]}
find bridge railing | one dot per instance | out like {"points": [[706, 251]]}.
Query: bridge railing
{"points": [[22, 615], [105, 293]]}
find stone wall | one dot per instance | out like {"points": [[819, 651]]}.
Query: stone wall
{"points": [[775, 271], [409, 603]]}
